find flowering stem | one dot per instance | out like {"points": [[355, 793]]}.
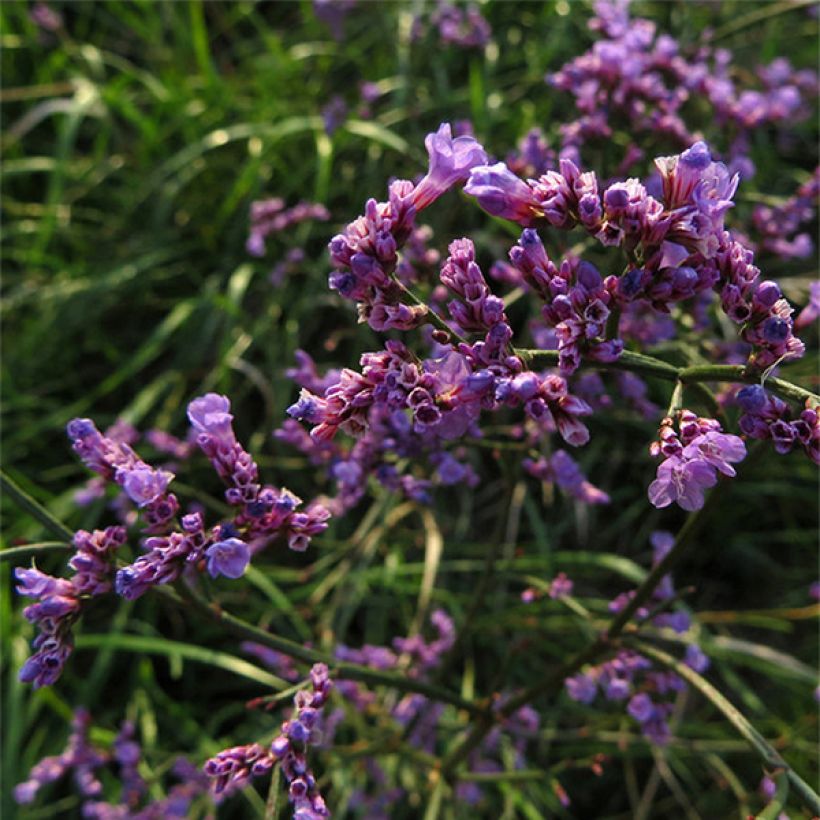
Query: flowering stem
{"points": [[272, 805], [349, 671], [485, 722], [770, 756], [663, 567], [650, 366], [778, 802], [605, 642], [431, 316]]}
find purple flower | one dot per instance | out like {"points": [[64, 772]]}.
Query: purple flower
{"points": [[229, 558], [144, 484], [501, 193], [210, 414], [450, 163], [581, 688], [717, 449], [696, 658], [641, 707], [683, 482]]}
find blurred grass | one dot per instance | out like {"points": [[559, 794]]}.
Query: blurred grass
{"points": [[134, 141]]}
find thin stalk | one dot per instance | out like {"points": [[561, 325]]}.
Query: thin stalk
{"points": [[487, 720], [664, 566], [349, 671], [650, 366], [33, 550], [768, 754], [20, 497], [431, 316]]}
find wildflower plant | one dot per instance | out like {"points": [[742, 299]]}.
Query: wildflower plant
{"points": [[525, 323]]}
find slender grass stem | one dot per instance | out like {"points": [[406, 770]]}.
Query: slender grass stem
{"points": [[768, 754], [349, 671]]}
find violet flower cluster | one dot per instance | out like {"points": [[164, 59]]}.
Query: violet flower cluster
{"points": [[628, 676], [676, 248], [269, 216], [462, 27], [561, 469], [366, 254], [263, 513], [60, 601], [86, 762], [692, 458], [781, 230], [234, 768], [767, 417], [635, 77]]}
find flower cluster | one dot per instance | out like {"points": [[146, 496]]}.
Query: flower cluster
{"points": [[577, 304], [629, 676], [692, 458], [677, 248], [116, 461], [365, 255], [60, 601], [233, 768], [637, 78], [463, 27], [269, 216], [767, 417], [781, 229], [85, 761], [561, 469], [264, 513]]}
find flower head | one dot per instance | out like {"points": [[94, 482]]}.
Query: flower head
{"points": [[229, 558], [450, 163]]}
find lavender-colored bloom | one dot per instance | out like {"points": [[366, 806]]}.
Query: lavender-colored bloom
{"points": [[45, 17], [692, 461], [210, 414], [581, 688], [229, 558], [451, 161], [144, 485], [718, 449], [683, 482], [501, 193], [641, 707], [696, 658]]}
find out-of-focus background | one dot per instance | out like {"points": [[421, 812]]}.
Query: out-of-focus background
{"points": [[135, 137]]}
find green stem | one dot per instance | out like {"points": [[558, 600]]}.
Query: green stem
{"points": [[486, 721], [272, 806], [768, 754], [650, 366], [28, 550], [605, 642], [432, 317], [34, 507], [349, 671], [676, 401], [664, 566]]}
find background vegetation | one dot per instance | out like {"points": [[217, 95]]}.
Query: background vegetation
{"points": [[134, 140]]}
